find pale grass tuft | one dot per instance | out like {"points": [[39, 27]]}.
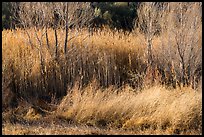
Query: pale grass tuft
{"points": [[156, 108]]}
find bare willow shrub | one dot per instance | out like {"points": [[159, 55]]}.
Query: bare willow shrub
{"points": [[148, 24], [35, 20], [180, 42], [172, 34]]}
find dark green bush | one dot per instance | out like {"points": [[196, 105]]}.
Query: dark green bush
{"points": [[6, 15]]}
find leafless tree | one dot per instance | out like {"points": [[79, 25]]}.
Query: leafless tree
{"points": [[147, 22], [63, 15], [181, 40], [56, 16], [179, 27]]}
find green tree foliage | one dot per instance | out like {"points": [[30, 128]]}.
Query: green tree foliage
{"points": [[119, 15], [6, 15]]}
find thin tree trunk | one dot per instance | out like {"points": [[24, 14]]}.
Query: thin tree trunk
{"points": [[149, 46], [56, 43], [66, 30], [42, 62], [47, 40]]}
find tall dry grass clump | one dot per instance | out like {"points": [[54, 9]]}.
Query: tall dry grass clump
{"points": [[35, 62], [31, 69], [156, 109]]}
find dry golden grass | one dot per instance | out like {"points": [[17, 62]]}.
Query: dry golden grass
{"points": [[36, 70], [157, 108], [92, 81], [117, 111]]}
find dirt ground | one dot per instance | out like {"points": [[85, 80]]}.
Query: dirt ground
{"points": [[49, 126]]}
